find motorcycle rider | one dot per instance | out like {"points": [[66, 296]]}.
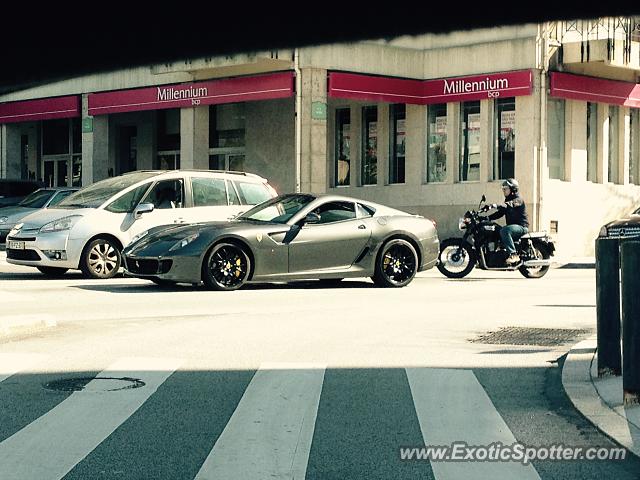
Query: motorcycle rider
{"points": [[515, 213]]}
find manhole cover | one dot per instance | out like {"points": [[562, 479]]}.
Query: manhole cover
{"points": [[100, 384], [530, 336]]}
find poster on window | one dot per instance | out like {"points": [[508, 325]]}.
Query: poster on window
{"points": [[441, 125], [400, 138], [473, 132], [507, 131], [372, 141]]}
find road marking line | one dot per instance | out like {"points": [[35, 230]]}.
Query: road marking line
{"points": [[48, 448], [452, 406], [270, 433], [12, 363]]}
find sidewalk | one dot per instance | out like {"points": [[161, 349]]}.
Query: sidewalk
{"points": [[600, 399]]}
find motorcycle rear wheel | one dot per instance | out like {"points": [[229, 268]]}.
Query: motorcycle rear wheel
{"points": [[536, 272], [453, 254]]}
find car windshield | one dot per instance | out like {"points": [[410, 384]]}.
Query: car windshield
{"points": [[37, 199], [95, 195], [279, 209]]}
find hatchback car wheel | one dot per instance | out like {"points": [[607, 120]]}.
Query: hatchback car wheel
{"points": [[100, 259], [396, 265], [226, 267]]}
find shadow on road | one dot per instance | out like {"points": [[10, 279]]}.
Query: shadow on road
{"points": [[153, 288]]}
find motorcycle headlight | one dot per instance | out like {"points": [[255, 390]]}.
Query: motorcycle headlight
{"points": [[61, 224], [139, 236], [603, 232], [185, 241], [3, 219], [462, 224]]}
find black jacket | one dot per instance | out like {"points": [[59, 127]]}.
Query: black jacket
{"points": [[514, 211]]}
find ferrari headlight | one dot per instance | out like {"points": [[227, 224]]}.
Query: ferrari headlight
{"points": [[139, 236], [603, 232], [3, 219], [61, 224], [185, 241]]}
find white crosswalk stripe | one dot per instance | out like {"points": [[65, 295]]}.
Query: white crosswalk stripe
{"points": [[48, 448], [12, 363], [271, 430], [452, 406]]}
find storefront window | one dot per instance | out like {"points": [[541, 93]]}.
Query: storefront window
{"points": [[168, 134], [397, 142], [634, 146], [613, 143], [555, 138], [343, 151], [369, 156], [470, 142], [168, 130], [55, 137], [592, 142], [227, 125], [504, 149], [437, 143]]}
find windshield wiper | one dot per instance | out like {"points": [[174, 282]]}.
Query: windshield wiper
{"points": [[74, 205]]}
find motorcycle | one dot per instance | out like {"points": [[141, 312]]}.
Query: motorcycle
{"points": [[482, 246]]}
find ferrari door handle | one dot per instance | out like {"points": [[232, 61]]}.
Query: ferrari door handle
{"points": [[179, 220], [362, 227]]}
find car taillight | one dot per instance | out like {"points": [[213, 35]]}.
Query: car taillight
{"points": [[435, 224]]}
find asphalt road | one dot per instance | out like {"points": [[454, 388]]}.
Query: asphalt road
{"points": [[291, 381]]}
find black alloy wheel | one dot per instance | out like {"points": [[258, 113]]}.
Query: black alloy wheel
{"points": [[396, 265], [226, 267]]}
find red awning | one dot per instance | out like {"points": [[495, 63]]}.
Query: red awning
{"points": [[228, 90], [591, 89], [41, 109], [424, 92]]}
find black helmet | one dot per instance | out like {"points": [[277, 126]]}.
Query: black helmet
{"points": [[512, 183]]}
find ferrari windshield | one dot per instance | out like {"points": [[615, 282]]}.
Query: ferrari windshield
{"points": [[279, 209], [95, 195]]}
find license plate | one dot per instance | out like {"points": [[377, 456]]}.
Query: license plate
{"points": [[13, 245]]}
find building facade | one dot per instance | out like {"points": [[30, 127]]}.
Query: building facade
{"points": [[427, 124]]}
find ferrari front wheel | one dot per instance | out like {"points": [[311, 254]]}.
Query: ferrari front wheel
{"points": [[396, 265], [226, 267]]}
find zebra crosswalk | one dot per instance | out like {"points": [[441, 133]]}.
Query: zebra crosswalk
{"points": [[283, 421]]}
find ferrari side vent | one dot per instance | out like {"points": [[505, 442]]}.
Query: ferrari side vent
{"points": [[362, 255]]}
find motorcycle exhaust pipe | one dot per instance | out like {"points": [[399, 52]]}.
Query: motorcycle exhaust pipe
{"points": [[537, 263]]}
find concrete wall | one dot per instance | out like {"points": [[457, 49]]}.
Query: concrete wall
{"points": [[270, 145]]}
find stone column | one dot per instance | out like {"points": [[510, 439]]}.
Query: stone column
{"points": [[313, 135], [95, 145], [415, 145], [10, 151], [384, 129], [486, 140], [194, 137]]}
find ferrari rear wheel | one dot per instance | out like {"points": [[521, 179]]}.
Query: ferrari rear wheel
{"points": [[397, 264], [226, 267]]}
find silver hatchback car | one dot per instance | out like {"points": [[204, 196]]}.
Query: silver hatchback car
{"points": [[89, 229]]}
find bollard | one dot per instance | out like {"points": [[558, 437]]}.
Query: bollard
{"points": [[629, 263], [608, 306]]}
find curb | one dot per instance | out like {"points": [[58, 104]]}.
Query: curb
{"points": [[597, 398]]}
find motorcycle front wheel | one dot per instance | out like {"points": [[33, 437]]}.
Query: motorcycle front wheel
{"points": [[456, 259]]}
